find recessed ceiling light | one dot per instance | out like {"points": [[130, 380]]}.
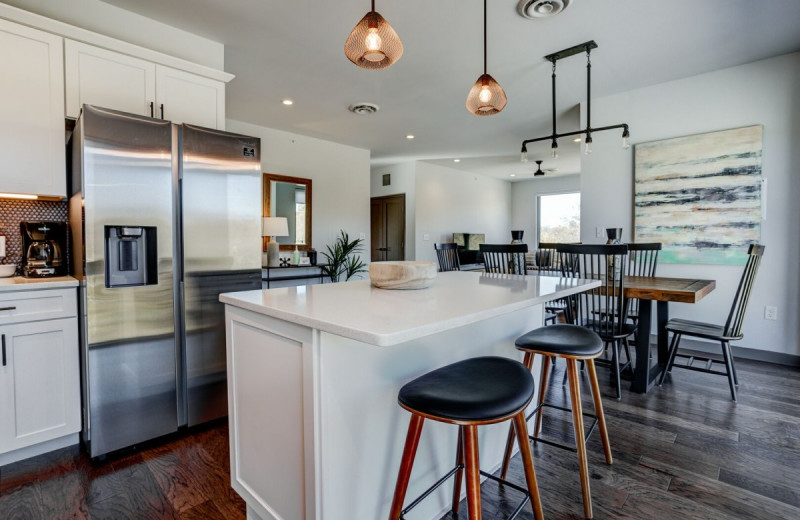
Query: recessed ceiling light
{"points": [[576, 140], [287, 102], [513, 175], [410, 136], [456, 160]]}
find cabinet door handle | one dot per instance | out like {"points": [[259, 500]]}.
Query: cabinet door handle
{"points": [[4, 350], [8, 308], [162, 110], [151, 109]]}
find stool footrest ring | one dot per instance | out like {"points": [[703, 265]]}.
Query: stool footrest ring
{"points": [[558, 444], [452, 472]]}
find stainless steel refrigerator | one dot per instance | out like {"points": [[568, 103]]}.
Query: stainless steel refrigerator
{"points": [[163, 218]]}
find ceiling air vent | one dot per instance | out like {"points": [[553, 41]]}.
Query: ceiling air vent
{"points": [[532, 9], [363, 109]]}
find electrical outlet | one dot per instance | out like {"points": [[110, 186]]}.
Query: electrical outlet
{"points": [[362, 236], [770, 312], [426, 237], [598, 232]]}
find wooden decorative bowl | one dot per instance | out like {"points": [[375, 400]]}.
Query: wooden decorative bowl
{"points": [[402, 275]]}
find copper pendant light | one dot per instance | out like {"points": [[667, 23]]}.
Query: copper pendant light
{"points": [[373, 44], [486, 97]]}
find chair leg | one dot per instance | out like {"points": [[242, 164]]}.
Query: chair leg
{"points": [[733, 363], [537, 428], [626, 343], [460, 472], [580, 441], [598, 410], [615, 360], [729, 369], [527, 464], [403, 476], [673, 349], [473, 471]]}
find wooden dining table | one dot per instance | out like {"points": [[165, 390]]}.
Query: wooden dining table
{"points": [[649, 289]]}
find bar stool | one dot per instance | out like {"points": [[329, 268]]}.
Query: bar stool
{"points": [[469, 393], [573, 343]]}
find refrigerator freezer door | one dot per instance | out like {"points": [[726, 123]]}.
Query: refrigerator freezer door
{"points": [[220, 187], [126, 170]]}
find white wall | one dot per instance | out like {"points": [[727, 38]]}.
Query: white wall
{"points": [[339, 174], [109, 20], [764, 92], [524, 200], [403, 181], [451, 200]]}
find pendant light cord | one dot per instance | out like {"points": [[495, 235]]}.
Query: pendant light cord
{"points": [[373, 6], [484, 36]]}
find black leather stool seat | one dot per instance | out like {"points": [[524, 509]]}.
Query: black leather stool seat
{"points": [[563, 340], [477, 389]]}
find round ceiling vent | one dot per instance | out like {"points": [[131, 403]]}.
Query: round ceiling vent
{"points": [[532, 9], [363, 109]]}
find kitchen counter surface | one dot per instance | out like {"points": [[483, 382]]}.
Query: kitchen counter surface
{"points": [[381, 317], [20, 283]]}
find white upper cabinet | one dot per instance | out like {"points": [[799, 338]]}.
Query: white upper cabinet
{"points": [[31, 112], [189, 98], [109, 79]]}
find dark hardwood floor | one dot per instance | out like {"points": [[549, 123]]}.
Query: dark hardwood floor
{"points": [[681, 451]]}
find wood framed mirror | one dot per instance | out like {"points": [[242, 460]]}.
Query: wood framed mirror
{"points": [[289, 197]]}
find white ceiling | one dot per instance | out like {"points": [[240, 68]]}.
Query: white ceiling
{"points": [[294, 49]]}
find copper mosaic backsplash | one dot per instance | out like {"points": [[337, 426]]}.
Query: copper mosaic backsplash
{"points": [[12, 212]]}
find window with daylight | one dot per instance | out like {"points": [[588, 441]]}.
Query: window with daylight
{"points": [[559, 217]]}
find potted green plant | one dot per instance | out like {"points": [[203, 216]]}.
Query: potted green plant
{"points": [[342, 259]]}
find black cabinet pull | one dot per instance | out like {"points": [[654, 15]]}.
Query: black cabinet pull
{"points": [[151, 109], [4, 350], [162, 110], [8, 308]]}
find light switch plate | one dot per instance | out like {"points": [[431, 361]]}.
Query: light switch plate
{"points": [[426, 237]]}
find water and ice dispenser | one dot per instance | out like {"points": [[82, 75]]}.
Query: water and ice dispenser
{"points": [[131, 257]]}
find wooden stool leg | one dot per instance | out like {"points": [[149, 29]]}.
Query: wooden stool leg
{"points": [[542, 391], [403, 476], [527, 463], [460, 472], [528, 362], [580, 442], [598, 409], [473, 471]]}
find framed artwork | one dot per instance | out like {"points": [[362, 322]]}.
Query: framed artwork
{"points": [[700, 195]]}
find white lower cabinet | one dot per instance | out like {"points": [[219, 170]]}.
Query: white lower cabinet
{"points": [[39, 375]]}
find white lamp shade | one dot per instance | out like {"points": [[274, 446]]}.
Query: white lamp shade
{"points": [[274, 227]]}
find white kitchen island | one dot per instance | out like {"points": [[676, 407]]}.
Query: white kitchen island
{"points": [[313, 375]]}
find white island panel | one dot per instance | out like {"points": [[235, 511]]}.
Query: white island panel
{"points": [[318, 434]]}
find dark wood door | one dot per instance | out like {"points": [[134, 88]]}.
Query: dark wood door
{"points": [[388, 227]]}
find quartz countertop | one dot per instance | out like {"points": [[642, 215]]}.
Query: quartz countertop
{"points": [[381, 317], [20, 283]]}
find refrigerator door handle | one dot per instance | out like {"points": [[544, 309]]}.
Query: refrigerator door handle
{"points": [[4, 350]]}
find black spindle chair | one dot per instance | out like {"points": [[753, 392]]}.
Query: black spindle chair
{"points": [[642, 261], [504, 258], [731, 331], [447, 254], [603, 310]]}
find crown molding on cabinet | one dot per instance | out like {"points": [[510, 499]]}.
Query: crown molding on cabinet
{"points": [[65, 30]]}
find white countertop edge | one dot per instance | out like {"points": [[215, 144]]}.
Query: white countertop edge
{"points": [[394, 338], [20, 283]]}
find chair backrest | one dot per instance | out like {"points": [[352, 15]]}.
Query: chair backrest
{"points": [[733, 327], [447, 255], [547, 259], [642, 261], [504, 258], [603, 309]]}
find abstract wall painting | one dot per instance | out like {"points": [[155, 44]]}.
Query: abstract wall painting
{"points": [[700, 195]]}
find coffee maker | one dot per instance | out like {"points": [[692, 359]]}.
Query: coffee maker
{"points": [[44, 245]]}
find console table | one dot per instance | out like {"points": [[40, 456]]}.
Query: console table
{"points": [[293, 272]]}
